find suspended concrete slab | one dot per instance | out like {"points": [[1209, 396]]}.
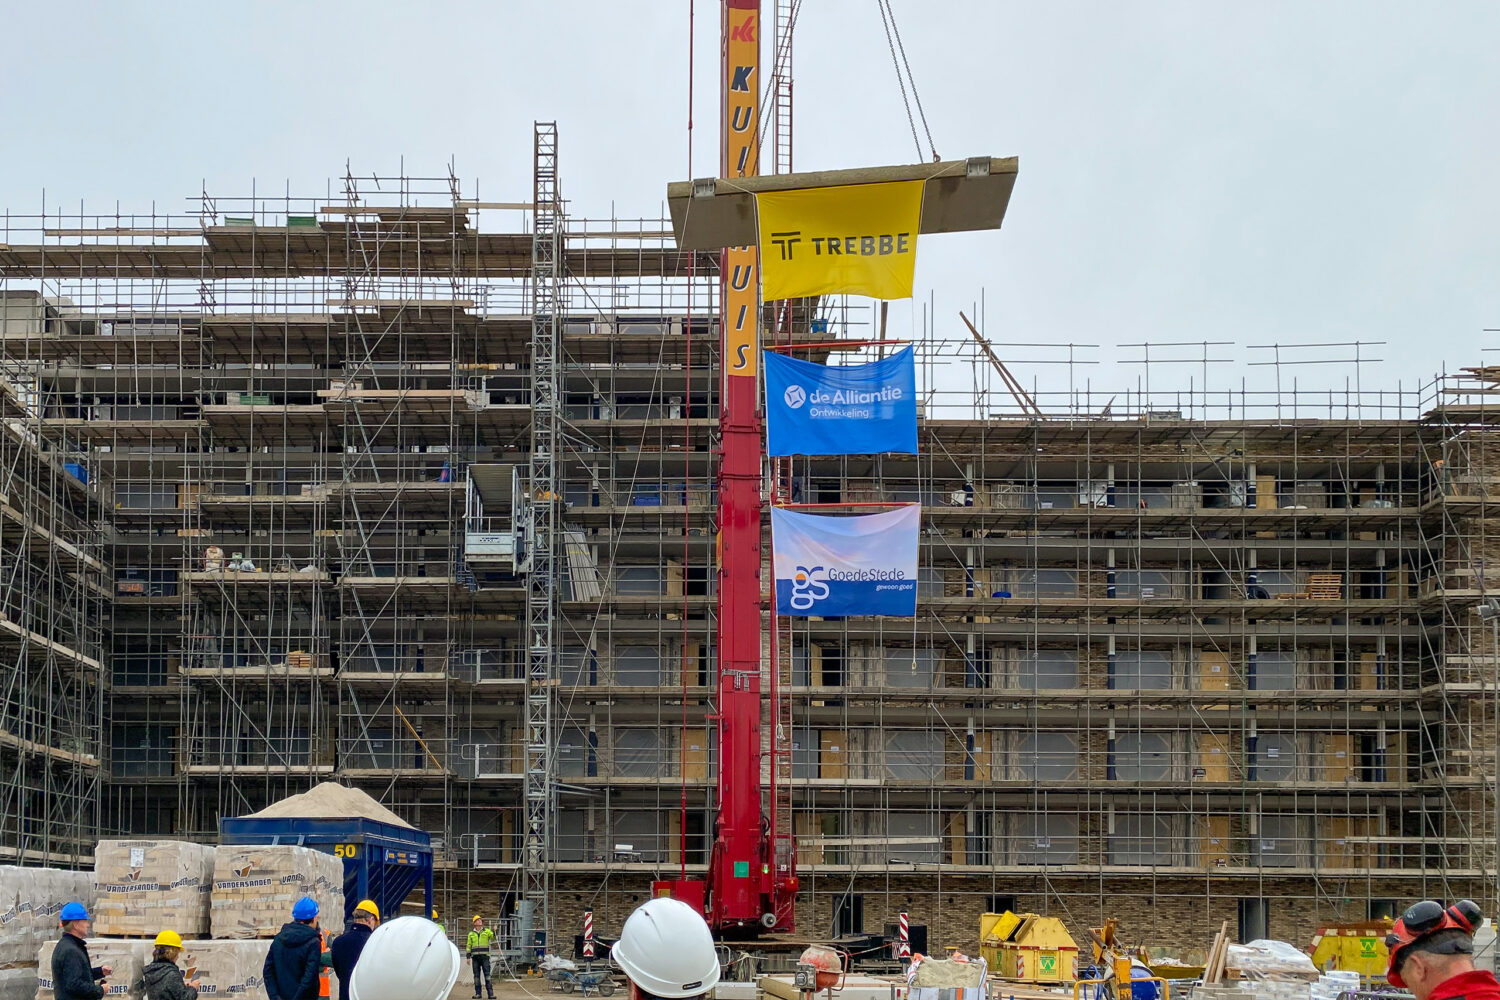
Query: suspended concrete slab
{"points": [[959, 196]]}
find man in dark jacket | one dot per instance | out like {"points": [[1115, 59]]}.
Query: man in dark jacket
{"points": [[348, 946], [291, 969], [73, 977]]}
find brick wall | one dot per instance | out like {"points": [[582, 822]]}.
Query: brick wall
{"points": [[1174, 912]]}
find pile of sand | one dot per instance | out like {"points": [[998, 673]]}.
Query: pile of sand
{"points": [[331, 800]]}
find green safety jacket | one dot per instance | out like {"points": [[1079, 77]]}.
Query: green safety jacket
{"points": [[479, 941]]}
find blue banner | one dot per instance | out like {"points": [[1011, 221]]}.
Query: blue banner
{"points": [[838, 566], [865, 409]]}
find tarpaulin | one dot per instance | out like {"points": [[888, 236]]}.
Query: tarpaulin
{"points": [[858, 238], [838, 566], [866, 409]]}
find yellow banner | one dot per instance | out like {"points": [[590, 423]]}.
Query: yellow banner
{"points": [[859, 238]]}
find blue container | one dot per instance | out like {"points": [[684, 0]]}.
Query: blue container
{"points": [[77, 471]]}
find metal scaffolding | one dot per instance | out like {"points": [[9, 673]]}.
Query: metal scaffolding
{"points": [[1176, 647], [543, 499]]}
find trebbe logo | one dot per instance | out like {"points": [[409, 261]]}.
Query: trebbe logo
{"points": [[795, 396], [864, 245], [809, 586]]}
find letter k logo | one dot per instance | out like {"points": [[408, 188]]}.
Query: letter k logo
{"points": [[744, 32]]}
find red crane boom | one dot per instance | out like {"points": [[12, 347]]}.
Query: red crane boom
{"points": [[752, 880]]}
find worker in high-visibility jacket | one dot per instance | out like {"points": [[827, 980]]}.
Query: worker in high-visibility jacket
{"points": [[480, 940], [325, 966]]}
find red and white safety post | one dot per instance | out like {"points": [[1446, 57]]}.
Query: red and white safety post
{"points": [[903, 947], [588, 933]]}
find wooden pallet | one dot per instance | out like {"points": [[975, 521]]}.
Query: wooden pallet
{"points": [[1325, 587]]}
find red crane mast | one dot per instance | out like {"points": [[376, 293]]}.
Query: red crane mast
{"points": [[751, 881]]}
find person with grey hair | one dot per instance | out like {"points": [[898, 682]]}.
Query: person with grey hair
{"points": [[1431, 953]]}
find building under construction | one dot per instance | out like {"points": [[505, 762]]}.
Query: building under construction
{"points": [[1177, 660]]}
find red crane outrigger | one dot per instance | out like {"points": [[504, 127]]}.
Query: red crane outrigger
{"points": [[752, 871]]}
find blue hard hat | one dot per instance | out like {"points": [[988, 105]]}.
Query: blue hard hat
{"points": [[305, 908], [73, 911]]}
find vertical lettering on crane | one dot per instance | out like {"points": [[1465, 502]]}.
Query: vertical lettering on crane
{"points": [[742, 158], [735, 894]]}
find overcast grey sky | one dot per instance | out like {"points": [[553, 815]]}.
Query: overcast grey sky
{"points": [[1252, 172]]}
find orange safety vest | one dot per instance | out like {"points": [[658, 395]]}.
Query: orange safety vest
{"points": [[323, 969]]}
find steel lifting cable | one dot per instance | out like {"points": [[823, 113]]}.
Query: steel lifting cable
{"points": [[896, 30], [885, 22]]}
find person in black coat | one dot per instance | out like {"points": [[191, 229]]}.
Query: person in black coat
{"points": [[162, 979], [73, 976], [348, 946], [296, 955]]}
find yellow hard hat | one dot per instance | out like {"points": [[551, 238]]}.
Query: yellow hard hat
{"points": [[169, 939], [368, 905], [434, 914], [476, 917]]}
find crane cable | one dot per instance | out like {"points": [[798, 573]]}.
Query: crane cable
{"points": [[903, 75]]}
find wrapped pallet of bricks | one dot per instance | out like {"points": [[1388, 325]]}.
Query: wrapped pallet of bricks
{"points": [[30, 901], [255, 886], [125, 958], [226, 968], [52, 890], [145, 886], [18, 984], [18, 941]]}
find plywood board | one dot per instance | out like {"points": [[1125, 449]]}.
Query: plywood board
{"points": [[1213, 670], [1213, 841], [695, 754], [833, 754], [1338, 757], [809, 838], [982, 758], [1213, 757], [1265, 492], [1342, 843]]}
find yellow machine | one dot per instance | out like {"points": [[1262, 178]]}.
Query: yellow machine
{"points": [[1108, 954], [1027, 948], [1352, 947]]}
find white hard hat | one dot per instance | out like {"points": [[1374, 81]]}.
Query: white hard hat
{"points": [[666, 949], [410, 960]]}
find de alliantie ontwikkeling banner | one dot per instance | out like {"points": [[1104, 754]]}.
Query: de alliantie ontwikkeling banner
{"points": [[867, 409], [833, 567]]}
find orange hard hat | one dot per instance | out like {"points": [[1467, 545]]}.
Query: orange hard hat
{"points": [[1422, 920]]}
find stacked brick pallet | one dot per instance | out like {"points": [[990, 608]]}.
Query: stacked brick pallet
{"points": [[144, 886], [226, 968], [255, 887], [30, 899]]}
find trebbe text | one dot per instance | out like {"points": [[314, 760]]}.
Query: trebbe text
{"points": [[881, 245]]}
